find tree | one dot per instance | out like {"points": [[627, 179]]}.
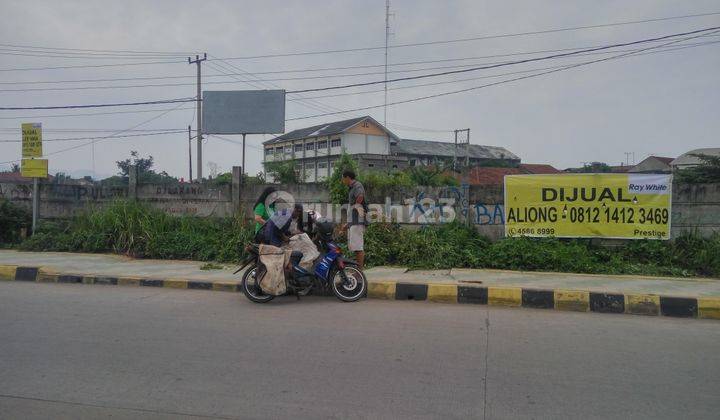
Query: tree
{"points": [[15, 168], [706, 172], [594, 167], [284, 172], [338, 191], [145, 173], [143, 164]]}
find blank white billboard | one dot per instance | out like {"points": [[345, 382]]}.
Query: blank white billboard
{"points": [[243, 112]]}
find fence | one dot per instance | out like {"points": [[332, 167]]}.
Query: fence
{"points": [[694, 207]]}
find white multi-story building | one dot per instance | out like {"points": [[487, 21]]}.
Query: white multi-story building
{"points": [[316, 149]]}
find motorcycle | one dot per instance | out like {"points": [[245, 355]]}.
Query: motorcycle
{"points": [[331, 270]]}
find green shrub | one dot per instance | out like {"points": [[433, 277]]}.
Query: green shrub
{"points": [[13, 218], [138, 230]]}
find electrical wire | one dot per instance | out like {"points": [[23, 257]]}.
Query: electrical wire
{"points": [[568, 67], [477, 38], [165, 101], [67, 149], [306, 70], [103, 137], [527, 60], [413, 86], [92, 114], [251, 82]]}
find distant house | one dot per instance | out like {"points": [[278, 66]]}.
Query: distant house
{"points": [[687, 160], [537, 168], [653, 165], [316, 149], [16, 177]]}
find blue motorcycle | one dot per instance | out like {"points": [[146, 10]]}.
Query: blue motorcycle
{"points": [[330, 271]]}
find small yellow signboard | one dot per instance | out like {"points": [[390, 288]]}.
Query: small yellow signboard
{"points": [[31, 140], [626, 206], [34, 168]]}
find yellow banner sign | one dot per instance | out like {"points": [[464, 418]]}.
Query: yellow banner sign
{"points": [[34, 168], [31, 140], [625, 206]]}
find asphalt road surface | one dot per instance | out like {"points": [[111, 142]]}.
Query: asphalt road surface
{"points": [[76, 351]]}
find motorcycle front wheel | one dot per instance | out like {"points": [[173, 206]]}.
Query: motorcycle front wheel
{"points": [[251, 288], [348, 284]]}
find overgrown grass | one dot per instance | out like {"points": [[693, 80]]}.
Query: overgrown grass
{"points": [[141, 231], [454, 245]]}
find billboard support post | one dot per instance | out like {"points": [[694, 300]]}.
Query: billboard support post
{"points": [[35, 204]]}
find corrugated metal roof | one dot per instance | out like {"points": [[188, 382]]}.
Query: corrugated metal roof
{"points": [[445, 149], [326, 129], [687, 159]]}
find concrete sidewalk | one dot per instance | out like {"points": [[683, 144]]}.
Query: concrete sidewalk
{"points": [[585, 292]]}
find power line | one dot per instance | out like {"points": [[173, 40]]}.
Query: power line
{"points": [[166, 101], [305, 70], [568, 67], [311, 104], [178, 53], [92, 66], [256, 80], [377, 47], [417, 85], [527, 60], [103, 137], [87, 130], [477, 38], [92, 114]]}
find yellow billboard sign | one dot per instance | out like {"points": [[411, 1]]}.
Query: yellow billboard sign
{"points": [[31, 140], [34, 168], [625, 206]]}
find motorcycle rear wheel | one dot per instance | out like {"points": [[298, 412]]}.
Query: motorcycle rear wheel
{"points": [[251, 288]]}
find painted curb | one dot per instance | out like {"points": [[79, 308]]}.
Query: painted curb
{"points": [[558, 299]]}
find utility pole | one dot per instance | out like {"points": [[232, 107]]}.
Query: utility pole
{"points": [[199, 61], [190, 153], [387, 38]]}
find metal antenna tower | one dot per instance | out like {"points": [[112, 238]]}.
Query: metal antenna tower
{"points": [[387, 40]]}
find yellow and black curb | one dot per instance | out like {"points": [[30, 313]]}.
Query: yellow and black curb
{"points": [[563, 300]]}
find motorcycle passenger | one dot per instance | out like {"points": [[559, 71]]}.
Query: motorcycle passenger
{"points": [[263, 209], [277, 229]]}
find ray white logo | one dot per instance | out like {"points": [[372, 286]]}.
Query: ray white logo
{"points": [[649, 184]]}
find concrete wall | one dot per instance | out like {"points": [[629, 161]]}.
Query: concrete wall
{"points": [[694, 208]]}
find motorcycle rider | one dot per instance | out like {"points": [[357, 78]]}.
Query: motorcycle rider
{"points": [[276, 230]]}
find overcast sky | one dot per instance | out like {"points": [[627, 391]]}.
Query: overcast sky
{"points": [[663, 104]]}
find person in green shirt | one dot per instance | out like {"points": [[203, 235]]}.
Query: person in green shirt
{"points": [[263, 208]]}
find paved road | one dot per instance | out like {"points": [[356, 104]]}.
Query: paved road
{"points": [[74, 351]]}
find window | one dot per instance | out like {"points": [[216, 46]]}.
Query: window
{"points": [[298, 148], [269, 151], [335, 143], [413, 162], [309, 146], [310, 166], [288, 150], [322, 144], [394, 166], [322, 165], [278, 149], [371, 165]]}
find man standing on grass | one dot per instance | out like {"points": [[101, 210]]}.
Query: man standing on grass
{"points": [[357, 212]]}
